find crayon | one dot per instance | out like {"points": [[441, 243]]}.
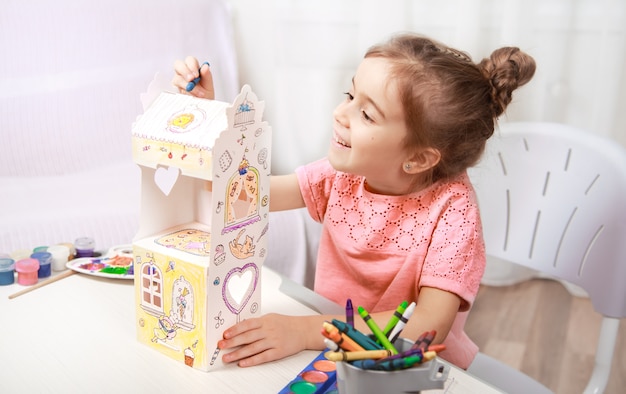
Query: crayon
{"points": [[440, 347], [419, 340], [332, 345], [350, 356], [429, 356], [394, 364], [428, 340], [424, 340], [195, 81], [397, 314], [376, 330], [406, 315], [388, 365], [406, 353], [342, 340], [363, 340], [349, 313]]}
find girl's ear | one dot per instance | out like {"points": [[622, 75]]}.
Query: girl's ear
{"points": [[422, 161]]}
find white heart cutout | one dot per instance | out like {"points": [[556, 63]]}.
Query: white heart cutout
{"points": [[165, 178], [239, 285]]}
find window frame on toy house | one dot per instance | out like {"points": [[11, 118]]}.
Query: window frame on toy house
{"points": [[151, 279]]}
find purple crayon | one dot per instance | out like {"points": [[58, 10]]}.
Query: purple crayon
{"points": [[349, 313]]}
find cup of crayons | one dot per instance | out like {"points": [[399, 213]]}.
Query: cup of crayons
{"points": [[382, 362]]}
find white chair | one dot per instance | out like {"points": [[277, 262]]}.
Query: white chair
{"points": [[552, 199]]}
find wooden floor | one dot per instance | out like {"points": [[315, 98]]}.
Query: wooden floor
{"points": [[538, 327]]}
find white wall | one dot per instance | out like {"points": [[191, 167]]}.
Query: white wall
{"points": [[72, 71], [300, 56], [71, 76]]}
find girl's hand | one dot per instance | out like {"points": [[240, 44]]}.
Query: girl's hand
{"points": [[186, 71], [268, 338]]}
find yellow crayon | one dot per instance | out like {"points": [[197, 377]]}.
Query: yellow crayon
{"points": [[360, 355], [429, 356]]}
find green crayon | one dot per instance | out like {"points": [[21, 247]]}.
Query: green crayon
{"points": [[382, 338], [397, 315]]}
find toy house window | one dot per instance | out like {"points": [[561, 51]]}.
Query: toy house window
{"points": [[183, 303], [242, 198], [152, 289]]}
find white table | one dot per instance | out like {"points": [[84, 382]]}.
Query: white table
{"points": [[77, 335]]}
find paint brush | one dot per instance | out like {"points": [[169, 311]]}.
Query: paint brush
{"points": [[43, 283]]}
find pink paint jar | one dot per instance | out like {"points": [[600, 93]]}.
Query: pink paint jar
{"points": [[27, 271]]}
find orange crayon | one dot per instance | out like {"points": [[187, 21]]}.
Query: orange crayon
{"points": [[440, 347], [341, 339]]}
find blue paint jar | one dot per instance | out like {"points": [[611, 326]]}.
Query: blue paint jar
{"points": [[7, 271], [45, 263]]}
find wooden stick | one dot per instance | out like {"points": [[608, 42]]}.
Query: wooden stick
{"points": [[43, 283]]}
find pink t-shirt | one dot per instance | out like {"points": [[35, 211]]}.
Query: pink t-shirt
{"points": [[379, 250]]}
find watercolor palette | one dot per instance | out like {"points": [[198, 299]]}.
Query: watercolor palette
{"points": [[319, 377], [116, 264]]}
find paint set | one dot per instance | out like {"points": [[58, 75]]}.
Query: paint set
{"points": [[38, 263], [319, 377]]}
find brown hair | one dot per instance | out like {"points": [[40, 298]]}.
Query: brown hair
{"points": [[450, 103]]}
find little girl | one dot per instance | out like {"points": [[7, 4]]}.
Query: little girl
{"points": [[400, 218]]}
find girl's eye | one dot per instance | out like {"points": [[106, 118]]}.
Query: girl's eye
{"points": [[364, 115]]}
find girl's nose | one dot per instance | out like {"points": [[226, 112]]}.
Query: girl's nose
{"points": [[340, 115]]}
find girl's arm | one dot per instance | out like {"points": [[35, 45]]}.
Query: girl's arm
{"points": [[273, 336], [285, 193], [436, 310]]}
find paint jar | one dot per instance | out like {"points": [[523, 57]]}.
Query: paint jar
{"points": [[20, 254], [7, 268], [40, 249], [45, 263], [27, 271], [426, 376], [60, 255], [85, 247], [71, 248]]}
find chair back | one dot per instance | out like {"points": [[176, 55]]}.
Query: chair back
{"points": [[553, 198]]}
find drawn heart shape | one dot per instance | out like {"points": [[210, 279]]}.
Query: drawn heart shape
{"points": [[239, 285], [165, 178]]}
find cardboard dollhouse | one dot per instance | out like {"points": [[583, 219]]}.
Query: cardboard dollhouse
{"points": [[202, 239]]}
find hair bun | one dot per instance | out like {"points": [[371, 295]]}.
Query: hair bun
{"points": [[506, 69]]}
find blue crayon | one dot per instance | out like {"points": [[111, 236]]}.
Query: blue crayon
{"points": [[388, 365], [367, 363], [363, 340], [195, 81]]}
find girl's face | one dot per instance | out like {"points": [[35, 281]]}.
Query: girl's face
{"points": [[369, 130]]}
